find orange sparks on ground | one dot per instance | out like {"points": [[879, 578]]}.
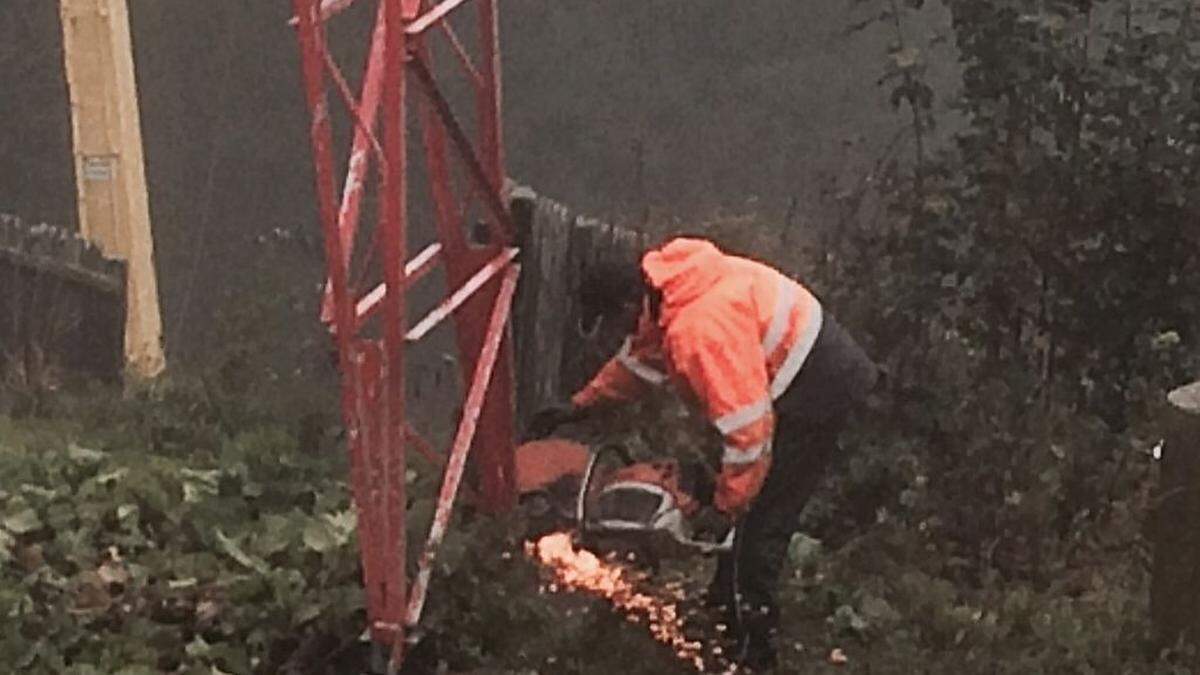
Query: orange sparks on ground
{"points": [[580, 570]]}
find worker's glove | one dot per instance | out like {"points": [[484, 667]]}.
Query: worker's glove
{"points": [[547, 420], [709, 524]]}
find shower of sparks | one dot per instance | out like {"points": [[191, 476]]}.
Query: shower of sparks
{"points": [[580, 570]]}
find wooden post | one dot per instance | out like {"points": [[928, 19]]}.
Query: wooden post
{"points": [[558, 246], [1175, 587], [114, 210]]}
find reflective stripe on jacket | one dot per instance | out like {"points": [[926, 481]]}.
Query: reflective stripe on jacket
{"points": [[625, 377], [735, 333]]}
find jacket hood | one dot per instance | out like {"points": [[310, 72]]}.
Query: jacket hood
{"points": [[683, 270]]}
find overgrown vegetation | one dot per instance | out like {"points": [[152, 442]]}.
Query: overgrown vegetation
{"points": [[1032, 276], [151, 535], [1029, 288], [161, 534], [180, 530]]}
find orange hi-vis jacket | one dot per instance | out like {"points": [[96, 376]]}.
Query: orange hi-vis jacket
{"points": [[732, 334]]}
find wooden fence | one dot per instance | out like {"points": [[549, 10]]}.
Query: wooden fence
{"points": [[558, 246], [1175, 588], [62, 307]]}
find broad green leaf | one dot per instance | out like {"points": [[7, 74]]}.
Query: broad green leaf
{"points": [[319, 535], [198, 648], [252, 489], [125, 511], [82, 455], [112, 476], [803, 549], [61, 516], [22, 522], [308, 612], [6, 546], [39, 491], [230, 548], [276, 533], [845, 618], [344, 522], [199, 485], [194, 492]]}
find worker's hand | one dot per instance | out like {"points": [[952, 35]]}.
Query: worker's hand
{"points": [[709, 524], [547, 420]]}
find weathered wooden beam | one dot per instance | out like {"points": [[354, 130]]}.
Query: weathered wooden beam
{"points": [[1175, 587], [62, 307], [110, 174], [55, 251], [557, 248]]}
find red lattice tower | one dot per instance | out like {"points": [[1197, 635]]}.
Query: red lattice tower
{"points": [[368, 319]]}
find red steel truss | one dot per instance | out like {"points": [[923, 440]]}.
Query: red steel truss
{"points": [[369, 322]]}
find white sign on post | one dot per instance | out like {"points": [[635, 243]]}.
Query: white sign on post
{"points": [[99, 169]]}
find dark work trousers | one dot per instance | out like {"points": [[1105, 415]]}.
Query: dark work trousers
{"points": [[801, 456], [809, 418]]}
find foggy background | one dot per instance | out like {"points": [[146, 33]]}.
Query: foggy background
{"points": [[620, 109]]}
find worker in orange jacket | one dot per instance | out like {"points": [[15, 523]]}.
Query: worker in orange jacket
{"points": [[770, 369]]}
